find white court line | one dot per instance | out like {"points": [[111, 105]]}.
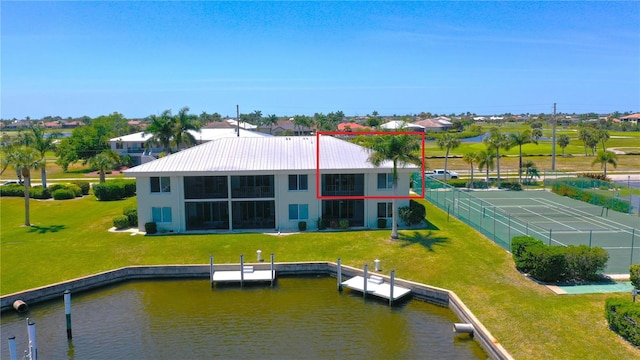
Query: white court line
{"points": [[596, 221], [550, 219]]}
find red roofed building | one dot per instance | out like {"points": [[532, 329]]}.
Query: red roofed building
{"points": [[632, 119], [352, 127]]}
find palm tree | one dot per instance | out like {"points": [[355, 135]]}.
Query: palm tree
{"points": [[161, 130], [447, 141], [496, 141], [401, 150], [24, 159], [563, 141], [106, 160], [530, 171], [604, 158], [486, 160], [271, 120], [603, 135], [43, 143], [183, 124], [518, 139], [471, 158], [585, 135]]}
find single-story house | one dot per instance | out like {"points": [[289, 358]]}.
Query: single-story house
{"points": [[435, 124], [265, 184], [631, 119], [351, 126], [402, 126], [134, 144]]}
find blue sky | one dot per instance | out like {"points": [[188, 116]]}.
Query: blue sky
{"points": [[139, 58]]}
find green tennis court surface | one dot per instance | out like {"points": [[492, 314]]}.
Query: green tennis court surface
{"points": [[500, 215]]}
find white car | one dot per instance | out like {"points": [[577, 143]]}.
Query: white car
{"points": [[11, 182], [439, 174]]}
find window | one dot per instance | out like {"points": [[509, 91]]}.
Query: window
{"points": [[160, 184], [119, 145], [161, 214], [298, 182], [298, 211], [385, 181], [385, 209], [205, 187]]}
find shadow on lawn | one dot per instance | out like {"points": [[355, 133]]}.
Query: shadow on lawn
{"points": [[46, 229], [428, 240]]}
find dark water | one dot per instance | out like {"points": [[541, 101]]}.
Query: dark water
{"points": [[182, 319]]}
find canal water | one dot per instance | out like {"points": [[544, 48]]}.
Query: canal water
{"points": [[301, 317]]}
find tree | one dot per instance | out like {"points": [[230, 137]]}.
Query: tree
{"points": [[486, 160], [530, 171], [183, 124], [603, 135], [161, 130], [606, 157], [43, 143], [563, 141], [496, 141], [471, 158], [447, 141], [84, 143], [271, 120], [300, 122], [401, 150], [518, 139], [24, 159], [106, 160], [586, 136]]}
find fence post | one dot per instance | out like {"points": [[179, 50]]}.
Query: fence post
{"points": [[550, 236], [633, 238], [591, 237], [494, 224], [509, 222]]}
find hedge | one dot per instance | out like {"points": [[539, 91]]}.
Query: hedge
{"points": [[77, 191], [515, 186], [84, 186], [16, 190], [63, 194], [121, 222], [115, 190], [557, 263], [624, 318], [577, 193]]}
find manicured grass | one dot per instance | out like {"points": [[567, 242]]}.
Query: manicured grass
{"points": [[70, 239]]}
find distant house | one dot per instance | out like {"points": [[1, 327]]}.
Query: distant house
{"points": [[631, 119], [51, 125], [71, 124], [438, 124], [351, 126], [134, 145], [286, 127], [265, 184], [401, 125]]}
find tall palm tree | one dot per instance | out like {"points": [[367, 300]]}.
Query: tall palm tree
{"points": [[603, 135], [530, 171], [518, 139], [24, 159], [183, 124], [447, 141], [161, 130], [585, 135], [43, 143], [563, 141], [401, 150], [106, 160], [486, 160], [471, 158], [604, 158], [496, 141]]}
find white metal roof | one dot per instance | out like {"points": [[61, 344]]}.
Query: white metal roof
{"points": [[203, 135], [266, 154]]}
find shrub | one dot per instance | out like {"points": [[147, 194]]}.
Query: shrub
{"points": [[515, 186], [457, 183], [597, 176], [131, 212], [77, 191], [520, 246], [12, 190], [634, 274], [57, 186], [121, 222], [150, 227], [63, 194], [382, 223], [321, 224], [39, 192], [412, 214], [624, 318], [584, 263], [84, 186], [302, 225], [550, 263], [344, 224], [108, 191]]}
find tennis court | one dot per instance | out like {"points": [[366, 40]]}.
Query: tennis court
{"points": [[554, 219]]}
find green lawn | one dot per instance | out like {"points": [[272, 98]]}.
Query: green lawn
{"points": [[70, 239]]}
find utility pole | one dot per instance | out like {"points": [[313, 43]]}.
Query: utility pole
{"points": [[553, 140], [238, 120]]}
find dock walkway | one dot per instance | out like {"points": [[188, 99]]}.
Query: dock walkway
{"points": [[376, 286], [248, 274]]}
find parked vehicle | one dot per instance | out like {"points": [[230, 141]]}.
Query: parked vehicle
{"points": [[439, 174], [10, 182]]}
